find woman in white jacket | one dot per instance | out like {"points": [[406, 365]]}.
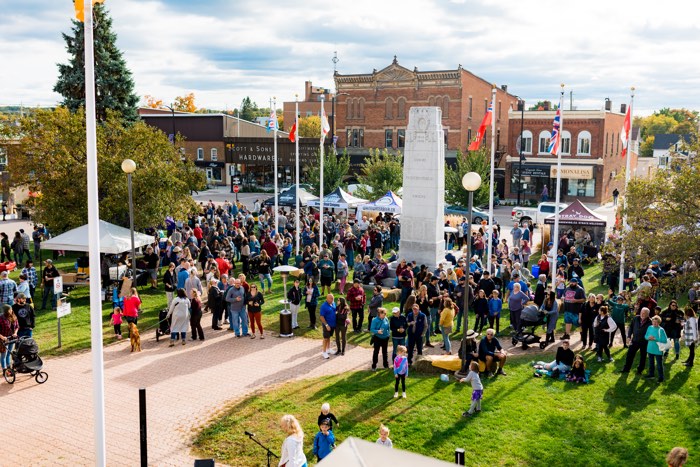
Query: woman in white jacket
{"points": [[690, 335], [293, 446], [179, 313]]}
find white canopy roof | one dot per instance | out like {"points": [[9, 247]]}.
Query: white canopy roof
{"points": [[355, 452], [338, 198], [113, 239], [390, 202]]}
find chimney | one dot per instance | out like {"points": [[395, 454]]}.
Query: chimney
{"points": [[307, 90], [546, 105], [623, 108], [504, 87], [608, 104]]}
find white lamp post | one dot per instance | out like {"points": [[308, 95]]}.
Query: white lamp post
{"points": [[471, 182], [129, 167]]}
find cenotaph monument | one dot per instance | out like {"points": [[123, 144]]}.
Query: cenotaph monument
{"points": [[422, 215]]}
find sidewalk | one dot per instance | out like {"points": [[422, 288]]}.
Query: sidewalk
{"points": [[186, 387]]}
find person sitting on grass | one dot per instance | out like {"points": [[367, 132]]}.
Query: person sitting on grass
{"points": [[577, 374], [562, 363], [324, 441], [492, 354]]}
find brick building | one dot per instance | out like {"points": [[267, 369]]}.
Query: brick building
{"points": [[372, 109], [591, 155], [311, 105]]}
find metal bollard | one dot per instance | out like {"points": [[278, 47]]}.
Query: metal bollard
{"points": [[142, 427], [459, 456]]}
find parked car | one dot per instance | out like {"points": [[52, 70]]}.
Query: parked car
{"points": [[477, 214], [536, 215]]}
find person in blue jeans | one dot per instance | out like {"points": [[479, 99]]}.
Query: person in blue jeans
{"points": [[417, 324], [235, 299], [25, 316], [655, 335], [381, 333], [9, 327]]}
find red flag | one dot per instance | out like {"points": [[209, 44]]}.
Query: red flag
{"points": [[482, 129], [293, 132], [625, 133]]}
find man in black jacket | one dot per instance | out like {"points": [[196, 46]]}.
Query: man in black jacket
{"points": [[635, 334], [486, 284], [25, 316], [294, 297], [417, 324], [398, 325]]}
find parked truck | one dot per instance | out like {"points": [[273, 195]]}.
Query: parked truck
{"points": [[536, 215]]}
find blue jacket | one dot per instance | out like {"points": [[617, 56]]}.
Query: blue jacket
{"points": [[182, 276], [323, 444], [380, 323], [328, 313], [417, 329], [659, 336]]}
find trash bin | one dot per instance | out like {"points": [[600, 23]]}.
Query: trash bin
{"points": [[535, 271], [286, 324]]}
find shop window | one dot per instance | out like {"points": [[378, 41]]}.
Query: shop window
{"points": [[200, 154], [544, 142], [389, 108], [529, 185], [581, 188], [216, 174], [388, 136], [356, 137], [584, 144], [401, 111], [565, 142], [214, 154], [400, 138]]}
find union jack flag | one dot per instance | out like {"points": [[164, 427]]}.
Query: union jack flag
{"points": [[554, 140]]}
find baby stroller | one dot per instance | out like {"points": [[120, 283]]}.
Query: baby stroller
{"points": [[163, 324], [25, 359], [530, 318]]}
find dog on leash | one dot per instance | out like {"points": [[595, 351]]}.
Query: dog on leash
{"points": [[135, 338]]}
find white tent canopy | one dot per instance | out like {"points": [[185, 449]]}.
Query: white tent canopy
{"points": [[355, 452], [113, 239], [338, 199], [390, 202]]}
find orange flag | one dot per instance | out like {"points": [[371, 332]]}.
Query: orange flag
{"points": [[80, 9]]}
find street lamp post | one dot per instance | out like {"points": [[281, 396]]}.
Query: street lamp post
{"points": [[521, 106], [471, 182], [129, 167]]}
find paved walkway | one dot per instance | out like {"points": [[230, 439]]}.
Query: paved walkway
{"points": [[186, 387]]}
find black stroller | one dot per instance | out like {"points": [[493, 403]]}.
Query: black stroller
{"points": [[530, 318], [163, 324], [25, 359]]}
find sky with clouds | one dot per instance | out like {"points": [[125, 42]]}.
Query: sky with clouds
{"points": [[224, 50]]}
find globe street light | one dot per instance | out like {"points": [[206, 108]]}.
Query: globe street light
{"points": [[471, 182], [129, 167]]}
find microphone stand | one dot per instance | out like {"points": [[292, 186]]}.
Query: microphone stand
{"points": [[270, 454]]}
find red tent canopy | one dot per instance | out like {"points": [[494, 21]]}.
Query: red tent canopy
{"points": [[578, 214]]}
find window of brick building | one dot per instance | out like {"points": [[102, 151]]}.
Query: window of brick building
{"points": [[445, 106], [401, 111], [389, 108], [469, 114], [584, 144], [469, 135], [544, 142], [431, 101], [214, 154], [200, 154], [565, 142], [499, 110], [525, 142], [400, 138], [388, 138], [348, 111]]}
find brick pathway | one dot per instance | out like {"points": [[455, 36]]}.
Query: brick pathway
{"points": [[187, 386]]}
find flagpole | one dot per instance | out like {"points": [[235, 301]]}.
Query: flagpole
{"points": [[320, 214], [624, 206], [98, 399], [555, 240], [489, 233], [296, 155], [273, 112]]}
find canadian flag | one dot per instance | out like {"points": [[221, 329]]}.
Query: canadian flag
{"points": [[293, 132], [482, 129], [625, 133]]}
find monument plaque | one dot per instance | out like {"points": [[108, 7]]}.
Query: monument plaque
{"points": [[422, 216]]}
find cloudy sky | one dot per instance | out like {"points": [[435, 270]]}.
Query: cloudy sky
{"points": [[224, 50]]}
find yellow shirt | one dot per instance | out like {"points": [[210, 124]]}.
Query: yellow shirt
{"points": [[447, 316]]}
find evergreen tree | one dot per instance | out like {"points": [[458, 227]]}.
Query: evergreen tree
{"points": [[114, 87], [478, 161], [379, 173]]}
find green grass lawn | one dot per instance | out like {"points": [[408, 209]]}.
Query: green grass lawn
{"points": [[613, 421]]}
